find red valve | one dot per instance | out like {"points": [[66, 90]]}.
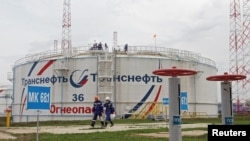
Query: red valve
{"points": [[226, 77], [174, 72]]}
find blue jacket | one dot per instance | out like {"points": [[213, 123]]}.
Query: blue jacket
{"points": [[110, 109], [97, 107]]}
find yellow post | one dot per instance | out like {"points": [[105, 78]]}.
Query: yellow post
{"points": [[8, 118]]}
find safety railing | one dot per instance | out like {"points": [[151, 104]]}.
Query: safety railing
{"points": [[194, 115], [75, 51]]}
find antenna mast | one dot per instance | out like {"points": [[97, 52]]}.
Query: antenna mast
{"points": [[114, 40], [239, 43], [235, 46], [66, 26]]}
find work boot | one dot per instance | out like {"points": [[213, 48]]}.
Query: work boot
{"points": [[112, 124], [106, 123], [92, 124], [102, 124]]}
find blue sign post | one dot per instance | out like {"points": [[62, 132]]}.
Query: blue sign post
{"points": [[176, 120], [228, 120], [165, 101], [184, 101], [38, 99]]}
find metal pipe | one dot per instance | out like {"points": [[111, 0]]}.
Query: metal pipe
{"points": [[226, 103], [174, 110]]}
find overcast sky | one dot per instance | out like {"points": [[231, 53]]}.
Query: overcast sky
{"points": [[31, 26]]}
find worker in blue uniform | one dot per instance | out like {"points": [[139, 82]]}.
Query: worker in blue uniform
{"points": [[109, 109], [97, 110]]}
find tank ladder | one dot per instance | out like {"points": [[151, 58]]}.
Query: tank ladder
{"points": [[105, 75]]}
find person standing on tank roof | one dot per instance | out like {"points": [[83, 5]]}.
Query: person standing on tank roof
{"points": [[126, 47]]}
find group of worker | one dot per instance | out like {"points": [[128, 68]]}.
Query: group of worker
{"points": [[102, 112], [99, 46]]}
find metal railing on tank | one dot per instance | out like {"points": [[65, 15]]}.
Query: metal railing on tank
{"points": [[140, 50]]}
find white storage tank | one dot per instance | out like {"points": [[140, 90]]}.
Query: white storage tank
{"points": [[5, 99], [76, 75]]}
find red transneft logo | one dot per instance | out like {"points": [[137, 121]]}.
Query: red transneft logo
{"points": [[70, 110]]}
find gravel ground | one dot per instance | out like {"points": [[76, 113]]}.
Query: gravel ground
{"points": [[5, 132]]}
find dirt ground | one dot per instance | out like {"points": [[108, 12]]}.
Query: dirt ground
{"points": [[5, 132]]}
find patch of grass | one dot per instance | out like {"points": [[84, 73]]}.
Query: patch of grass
{"points": [[107, 136], [80, 122], [201, 120], [238, 119], [118, 135], [195, 138], [103, 136]]}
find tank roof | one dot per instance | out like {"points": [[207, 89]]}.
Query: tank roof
{"points": [[148, 51]]}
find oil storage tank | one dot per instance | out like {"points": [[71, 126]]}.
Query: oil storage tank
{"points": [[5, 99], [74, 76]]}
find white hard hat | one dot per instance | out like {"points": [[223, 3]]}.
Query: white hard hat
{"points": [[107, 98]]}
